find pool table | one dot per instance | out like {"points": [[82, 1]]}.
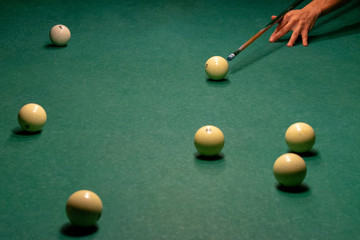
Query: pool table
{"points": [[126, 95]]}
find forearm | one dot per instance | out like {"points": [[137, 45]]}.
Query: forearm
{"points": [[324, 7]]}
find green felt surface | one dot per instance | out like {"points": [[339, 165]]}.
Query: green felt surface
{"points": [[126, 96]]}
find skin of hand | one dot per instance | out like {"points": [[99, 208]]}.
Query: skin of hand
{"points": [[300, 22]]}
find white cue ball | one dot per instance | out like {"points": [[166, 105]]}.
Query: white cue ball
{"points": [[209, 140], [300, 137], [84, 208], [216, 68], [289, 169], [32, 117], [59, 35]]}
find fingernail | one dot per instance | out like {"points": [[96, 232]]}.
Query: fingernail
{"points": [[271, 39]]}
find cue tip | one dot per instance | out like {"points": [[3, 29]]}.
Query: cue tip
{"points": [[231, 57]]}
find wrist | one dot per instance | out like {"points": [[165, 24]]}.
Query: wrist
{"points": [[323, 7], [317, 7]]}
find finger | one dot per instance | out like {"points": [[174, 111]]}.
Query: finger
{"points": [[282, 23], [304, 36], [279, 27], [272, 37], [273, 17], [293, 38], [281, 32]]}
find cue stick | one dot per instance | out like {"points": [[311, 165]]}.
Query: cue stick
{"points": [[264, 29]]}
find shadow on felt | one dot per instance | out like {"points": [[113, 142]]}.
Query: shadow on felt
{"points": [[210, 165], [257, 56], [309, 154], [340, 32], [53, 46], [71, 230], [209, 158], [218, 83], [20, 132], [338, 13], [302, 188]]}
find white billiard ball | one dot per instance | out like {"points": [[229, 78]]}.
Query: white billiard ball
{"points": [[209, 140], [289, 169], [216, 68], [60, 35], [300, 137], [84, 208], [32, 117]]}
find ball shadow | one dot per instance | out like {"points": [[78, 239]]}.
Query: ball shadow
{"points": [[218, 83], [311, 153], [20, 132], [71, 230], [210, 165], [302, 188], [209, 158], [53, 46]]}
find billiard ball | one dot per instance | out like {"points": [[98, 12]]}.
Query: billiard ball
{"points": [[216, 68], [59, 35], [32, 117], [289, 169], [209, 140], [84, 208], [300, 137]]}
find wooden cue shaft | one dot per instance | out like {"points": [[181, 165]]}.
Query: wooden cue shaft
{"points": [[269, 25], [256, 36]]}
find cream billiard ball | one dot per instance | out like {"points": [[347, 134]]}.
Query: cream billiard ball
{"points": [[59, 35], [84, 208], [216, 68], [32, 117], [289, 169], [209, 140], [300, 137]]}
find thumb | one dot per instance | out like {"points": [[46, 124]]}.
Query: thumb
{"points": [[273, 17]]}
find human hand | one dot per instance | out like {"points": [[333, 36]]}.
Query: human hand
{"points": [[299, 21]]}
